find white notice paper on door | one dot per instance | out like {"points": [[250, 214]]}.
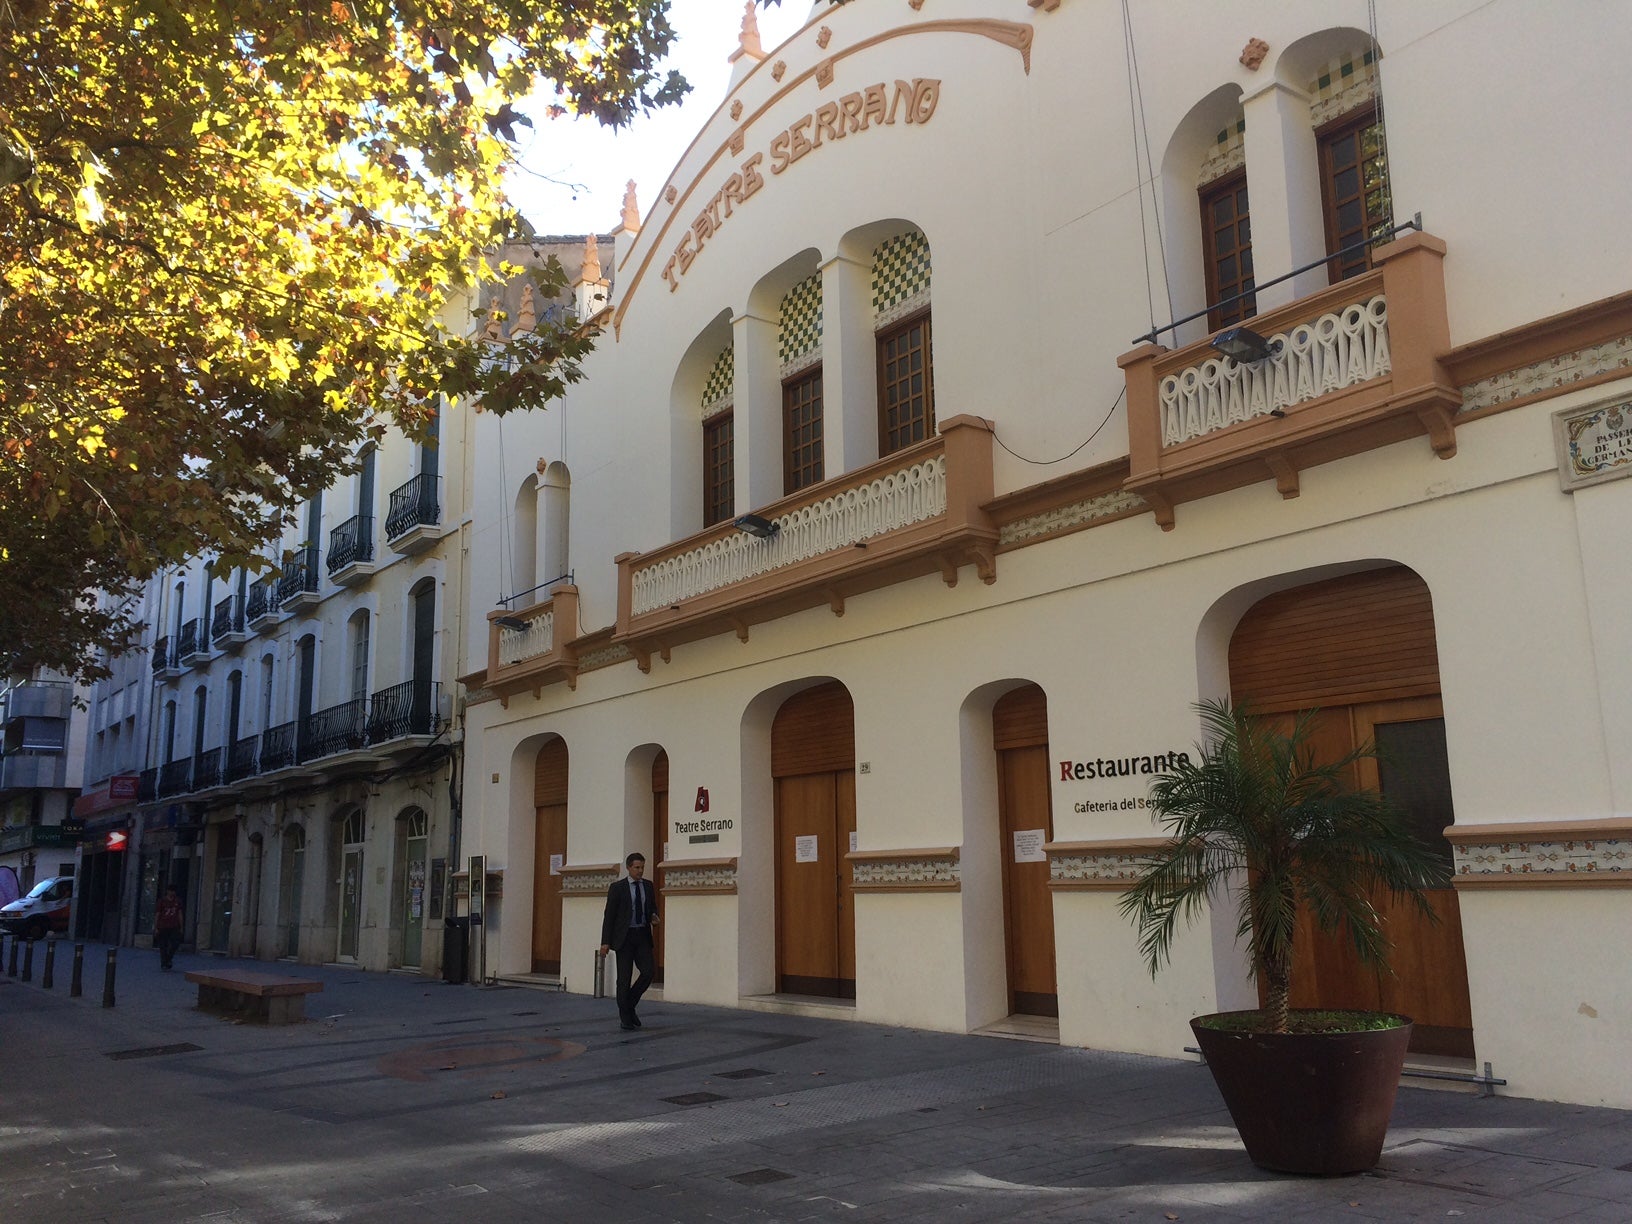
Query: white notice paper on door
{"points": [[852, 841], [1028, 845], [804, 849], [555, 863]]}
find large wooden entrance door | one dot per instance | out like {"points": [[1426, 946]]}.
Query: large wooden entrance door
{"points": [[549, 853], [659, 852], [1020, 734], [351, 886], [1361, 650], [813, 759]]}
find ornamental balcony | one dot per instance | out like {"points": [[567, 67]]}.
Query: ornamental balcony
{"points": [[1352, 368], [147, 785], [533, 646], [207, 769], [176, 778], [918, 511], [351, 550], [297, 585], [193, 647], [228, 627], [243, 758], [166, 664], [413, 521], [262, 612]]}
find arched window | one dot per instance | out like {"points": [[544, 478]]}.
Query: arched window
{"points": [[557, 516], [524, 562], [906, 388], [719, 460], [799, 348], [358, 631]]}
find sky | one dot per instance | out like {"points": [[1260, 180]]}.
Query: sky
{"points": [[590, 164]]}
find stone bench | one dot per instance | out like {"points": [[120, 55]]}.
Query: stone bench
{"points": [[268, 997]]}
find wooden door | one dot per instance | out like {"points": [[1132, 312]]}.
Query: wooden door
{"points": [[1020, 732], [1361, 649], [813, 763], [549, 852], [659, 852]]}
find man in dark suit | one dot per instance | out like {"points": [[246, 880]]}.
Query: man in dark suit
{"points": [[631, 913]]}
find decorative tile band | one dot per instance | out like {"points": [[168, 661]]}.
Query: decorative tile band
{"points": [[590, 880], [699, 876], [935, 870], [718, 389], [1065, 518], [604, 657], [1344, 86], [901, 274], [1566, 861], [801, 331], [1552, 374], [1228, 155], [1108, 866]]}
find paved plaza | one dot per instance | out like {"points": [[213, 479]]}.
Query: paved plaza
{"points": [[409, 1100]]}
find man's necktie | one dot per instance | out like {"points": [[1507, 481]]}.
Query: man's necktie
{"points": [[640, 905]]}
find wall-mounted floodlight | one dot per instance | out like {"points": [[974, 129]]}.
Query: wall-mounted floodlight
{"points": [[1242, 344], [757, 526], [511, 622]]}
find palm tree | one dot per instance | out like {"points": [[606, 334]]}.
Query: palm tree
{"points": [[1258, 814]]}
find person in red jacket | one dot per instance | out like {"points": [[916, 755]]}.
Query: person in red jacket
{"points": [[167, 926]]}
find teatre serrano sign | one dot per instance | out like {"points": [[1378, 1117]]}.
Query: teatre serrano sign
{"points": [[913, 101]]}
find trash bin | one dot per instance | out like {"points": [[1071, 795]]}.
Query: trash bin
{"points": [[455, 950]]}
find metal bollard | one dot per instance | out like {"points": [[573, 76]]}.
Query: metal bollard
{"points": [[600, 974], [48, 978], [12, 972], [76, 982], [28, 961], [107, 978]]}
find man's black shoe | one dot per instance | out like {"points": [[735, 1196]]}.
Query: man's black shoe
{"points": [[627, 1027], [634, 1019]]}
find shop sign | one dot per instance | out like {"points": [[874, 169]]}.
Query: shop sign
{"points": [[1120, 783]]}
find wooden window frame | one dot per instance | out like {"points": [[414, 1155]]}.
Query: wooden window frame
{"points": [[791, 389], [880, 339], [1218, 316], [1327, 137], [719, 495]]}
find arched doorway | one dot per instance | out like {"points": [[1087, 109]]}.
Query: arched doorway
{"points": [[291, 874], [1361, 649], [813, 763], [1025, 825], [660, 842], [549, 853], [415, 828], [351, 884]]}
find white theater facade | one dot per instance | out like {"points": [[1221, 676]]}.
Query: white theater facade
{"points": [[876, 564]]}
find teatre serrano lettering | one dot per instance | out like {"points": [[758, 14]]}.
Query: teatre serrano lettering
{"points": [[1121, 767], [914, 100]]}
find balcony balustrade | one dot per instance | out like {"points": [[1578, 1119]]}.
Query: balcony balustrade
{"points": [[532, 646], [411, 708], [918, 511], [351, 550], [161, 656], [227, 622], [175, 778], [147, 785], [191, 647], [339, 728], [278, 747], [207, 769], [414, 516], [262, 610], [1351, 368], [297, 586], [243, 758]]}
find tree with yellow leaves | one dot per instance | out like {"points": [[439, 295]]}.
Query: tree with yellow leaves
{"points": [[228, 234]]}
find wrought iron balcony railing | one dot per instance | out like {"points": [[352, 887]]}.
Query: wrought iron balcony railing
{"points": [[351, 543], [299, 578], [227, 621], [415, 504], [278, 747], [263, 600], [404, 709], [147, 785], [243, 758], [189, 645], [339, 728], [175, 777], [161, 654], [207, 769]]}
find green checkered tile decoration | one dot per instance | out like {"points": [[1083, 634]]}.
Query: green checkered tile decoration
{"points": [[1343, 85], [717, 388], [1229, 153], [801, 331], [900, 276]]}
